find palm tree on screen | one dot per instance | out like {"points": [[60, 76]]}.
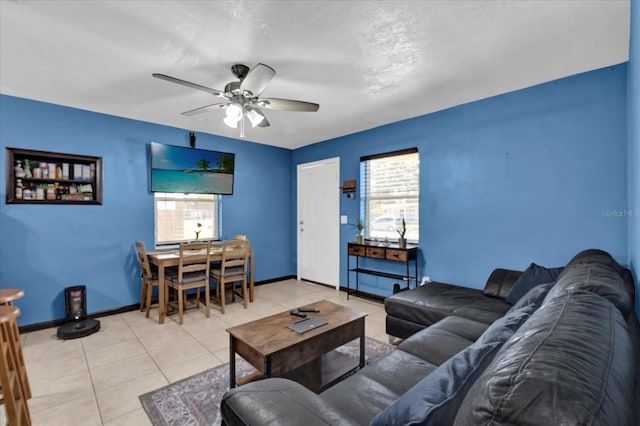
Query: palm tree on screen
{"points": [[203, 164], [225, 163]]}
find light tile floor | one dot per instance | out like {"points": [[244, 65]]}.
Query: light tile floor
{"points": [[96, 380]]}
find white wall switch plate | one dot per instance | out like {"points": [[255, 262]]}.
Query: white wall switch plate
{"points": [[343, 219]]}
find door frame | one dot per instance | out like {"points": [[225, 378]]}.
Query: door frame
{"points": [[334, 252]]}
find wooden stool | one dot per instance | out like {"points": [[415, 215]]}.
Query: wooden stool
{"points": [[7, 296], [13, 392]]}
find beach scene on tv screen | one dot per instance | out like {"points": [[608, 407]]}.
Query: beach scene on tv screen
{"points": [[189, 170]]}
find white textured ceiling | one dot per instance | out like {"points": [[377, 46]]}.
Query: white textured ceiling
{"points": [[367, 63]]}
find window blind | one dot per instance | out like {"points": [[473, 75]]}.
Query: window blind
{"points": [[390, 189]]}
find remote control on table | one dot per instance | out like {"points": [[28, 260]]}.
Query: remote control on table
{"points": [[308, 310], [298, 314]]}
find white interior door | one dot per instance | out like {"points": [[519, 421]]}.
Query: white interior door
{"points": [[318, 221]]}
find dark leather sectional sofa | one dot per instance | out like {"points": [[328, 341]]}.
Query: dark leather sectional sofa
{"points": [[565, 353], [411, 311]]}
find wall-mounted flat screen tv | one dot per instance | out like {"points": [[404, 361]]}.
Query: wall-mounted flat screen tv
{"points": [[191, 170]]}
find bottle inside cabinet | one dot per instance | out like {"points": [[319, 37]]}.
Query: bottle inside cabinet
{"points": [[40, 177]]}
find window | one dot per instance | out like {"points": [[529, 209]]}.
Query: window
{"points": [[391, 187], [177, 217]]}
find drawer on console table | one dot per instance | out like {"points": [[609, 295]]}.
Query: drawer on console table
{"points": [[375, 252], [356, 250], [399, 255]]}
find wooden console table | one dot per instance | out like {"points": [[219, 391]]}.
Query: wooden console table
{"points": [[392, 252]]}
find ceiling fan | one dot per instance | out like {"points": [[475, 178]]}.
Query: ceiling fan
{"points": [[242, 97]]}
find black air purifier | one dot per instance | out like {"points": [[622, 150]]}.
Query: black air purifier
{"points": [[76, 323]]}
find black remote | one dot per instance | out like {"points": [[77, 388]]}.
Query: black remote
{"points": [[298, 314], [308, 310]]}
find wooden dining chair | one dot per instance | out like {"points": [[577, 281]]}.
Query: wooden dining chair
{"points": [[232, 269], [192, 273], [148, 278]]}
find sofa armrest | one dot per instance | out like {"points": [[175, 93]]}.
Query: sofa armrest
{"points": [[278, 401], [500, 282]]}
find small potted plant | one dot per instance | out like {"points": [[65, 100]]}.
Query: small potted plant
{"points": [[402, 241], [360, 227]]}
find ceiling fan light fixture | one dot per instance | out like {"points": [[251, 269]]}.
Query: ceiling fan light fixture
{"points": [[234, 111], [254, 117], [242, 97], [231, 122], [234, 114]]}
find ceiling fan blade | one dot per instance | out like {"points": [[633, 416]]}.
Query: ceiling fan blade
{"points": [[264, 123], [205, 109], [256, 80], [189, 84], [287, 105]]}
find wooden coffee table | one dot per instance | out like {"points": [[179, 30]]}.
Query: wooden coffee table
{"points": [[276, 351]]}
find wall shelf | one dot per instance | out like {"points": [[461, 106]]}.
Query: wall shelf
{"points": [[40, 177]]}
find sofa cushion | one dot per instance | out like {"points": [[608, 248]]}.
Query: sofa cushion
{"points": [[432, 302], [602, 278], [534, 275], [276, 401], [436, 398], [570, 363], [464, 327], [500, 282], [484, 311], [376, 386], [602, 257], [503, 328], [400, 327], [595, 256], [535, 296], [444, 339]]}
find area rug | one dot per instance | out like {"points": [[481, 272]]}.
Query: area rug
{"points": [[195, 401]]}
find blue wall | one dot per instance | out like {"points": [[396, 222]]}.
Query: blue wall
{"points": [[534, 175], [45, 248], [633, 114]]}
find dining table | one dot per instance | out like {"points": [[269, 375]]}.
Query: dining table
{"points": [[167, 258]]}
